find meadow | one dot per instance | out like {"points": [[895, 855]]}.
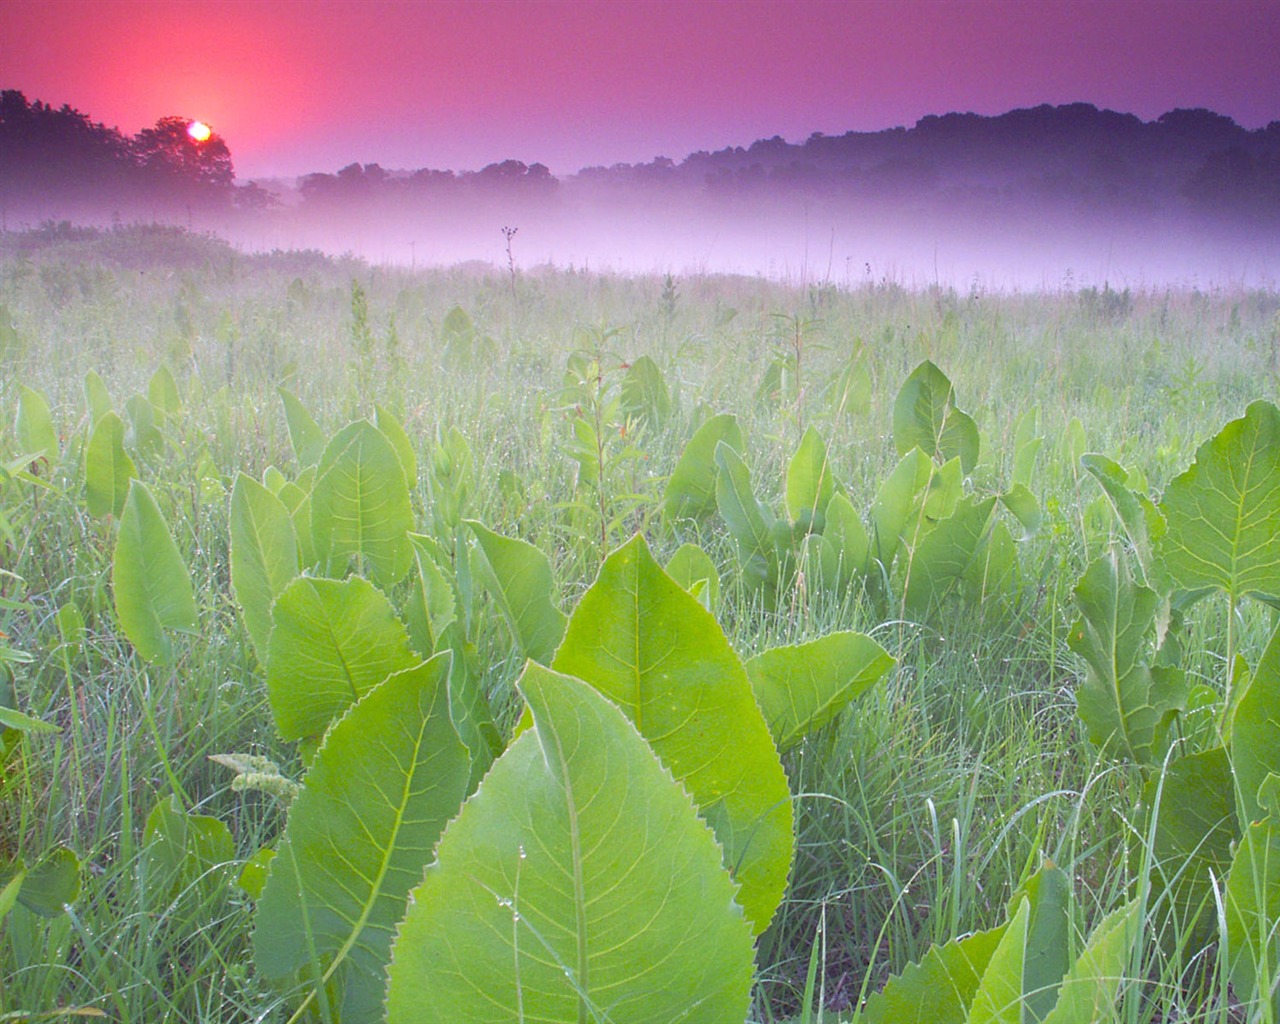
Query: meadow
{"points": [[877, 653]]}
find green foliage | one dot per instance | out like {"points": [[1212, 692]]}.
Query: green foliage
{"points": [[578, 884], [187, 855], [1088, 992], [33, 426], [1223, 513], [1126, 701], [107, 467], [304, 433], [264, 556], [939, 989], [644, 396], [46, 888], [925, 416], [331, 642], [96, 397], [803, 687], [392, 428], [1252, 912], [1018, 973], [692, 567], [809, 484], [749, 522], [162, 393], [330, 919], [518, 576], [691, 488], [946, 556], [1195, 826], [1140, 520], [651, 648], [1255, 732], [151, 584], [360, 506]]}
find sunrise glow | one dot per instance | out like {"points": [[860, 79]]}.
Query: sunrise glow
{"points": [[199, 131]]}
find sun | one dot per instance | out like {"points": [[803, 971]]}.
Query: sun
{"points": [[199, 131]]}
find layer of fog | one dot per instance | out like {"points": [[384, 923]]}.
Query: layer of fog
{"points": [[986, 243], [807, 241]]}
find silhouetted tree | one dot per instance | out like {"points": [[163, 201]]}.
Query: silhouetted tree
{"points": [[169, 151]]}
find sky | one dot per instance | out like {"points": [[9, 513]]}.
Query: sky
{"points": [[295, 86]]}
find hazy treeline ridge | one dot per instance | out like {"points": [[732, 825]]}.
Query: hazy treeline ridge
{"points": [[1028, 197]]}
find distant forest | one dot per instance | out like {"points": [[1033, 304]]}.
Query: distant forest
{"points": [[57, 162]]}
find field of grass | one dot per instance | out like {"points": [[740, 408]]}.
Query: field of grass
{"points": [[919, 810]]}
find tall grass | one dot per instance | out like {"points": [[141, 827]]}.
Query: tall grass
{"points": [[918, 812]]}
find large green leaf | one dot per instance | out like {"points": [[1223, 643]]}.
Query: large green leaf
{"points": [[1223, 514], [150, 582], [386, 421], [802, 687], [186, 855], [33, 426], [689, 567], [1255, 731], [389, 776], [360, 506], [939, 989], [578, 884], [304, 432], [691, 491], [946, 553], [518, 577], [750, 523], [809, 484], [143, 436], [998, 999], [894, 501], [331, 642], [45, 888], [644, 394], [650, 646], [848, 536], [1138, 516], [1047, 953], [925, 417], [264, 556], [107, 468], [96, 397], [1196, 826], [1088, 992], [1253, 918], [1126, 704], [432, 607], [162, 393]]}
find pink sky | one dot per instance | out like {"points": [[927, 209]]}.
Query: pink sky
{"points": [[302, 86]]}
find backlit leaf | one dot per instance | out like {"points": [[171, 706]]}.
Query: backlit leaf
{"points": [[578, 884], [925, 417], [691, 491], [264, 556], [1126, 704], [518, 577], [650, 647], [1223, 513], [331, 642], [150, 582], [107, 468], [802, 687], [360, 506], [358, 838]]}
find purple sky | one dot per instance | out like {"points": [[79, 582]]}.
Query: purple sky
{"points": [[302, 86]]}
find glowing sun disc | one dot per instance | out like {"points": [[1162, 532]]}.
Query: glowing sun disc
{"points": [[199, 131]]}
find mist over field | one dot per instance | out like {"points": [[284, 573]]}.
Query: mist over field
{"points": [[806, 240], [1039, 198]]}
